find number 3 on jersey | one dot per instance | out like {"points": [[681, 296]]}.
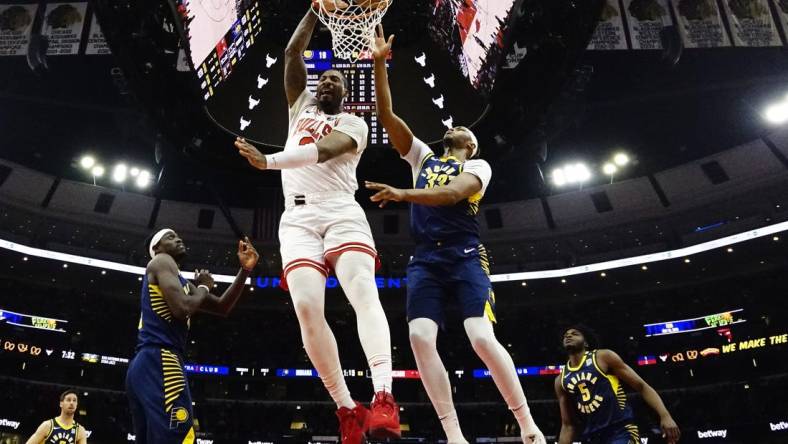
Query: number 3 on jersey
{"points": [[435, 179]]}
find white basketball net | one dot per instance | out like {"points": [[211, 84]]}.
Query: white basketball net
{"points": [[353, 28]]}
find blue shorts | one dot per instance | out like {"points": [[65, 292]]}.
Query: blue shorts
{"points": [[440, 273], [158, 391], [626, 433]]}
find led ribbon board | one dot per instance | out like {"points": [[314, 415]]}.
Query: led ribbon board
{"points": [[695, 324]]}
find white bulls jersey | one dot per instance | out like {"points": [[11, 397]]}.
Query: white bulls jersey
{"points": [[308, 124]]}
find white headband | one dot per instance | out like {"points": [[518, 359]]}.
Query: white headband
{"points": [[475, 142], [156, 238]]}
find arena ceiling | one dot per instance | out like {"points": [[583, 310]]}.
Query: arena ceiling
{"points": [[662, 114]]}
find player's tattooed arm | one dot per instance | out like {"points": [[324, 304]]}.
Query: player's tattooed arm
{"points": [[295, 68], [567, 423], [400, 135], [616, 366], [462, 187], [224, 304]]}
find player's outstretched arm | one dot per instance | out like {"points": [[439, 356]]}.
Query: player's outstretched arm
{"points": [[345, 138], [400, 135], [567, 425], [295, 68], [40, 434], [616, 366], [462, 187], [224, 304]]}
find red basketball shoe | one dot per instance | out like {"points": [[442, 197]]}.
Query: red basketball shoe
{"points": [[384, 417]]}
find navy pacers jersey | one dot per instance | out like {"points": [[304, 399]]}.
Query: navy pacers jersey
{"points": [[158, 327], [598, 398], [440, 223], [60, 434]]}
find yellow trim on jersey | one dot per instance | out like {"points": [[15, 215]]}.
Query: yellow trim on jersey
{"points": [[484, 259], [64, 427], [563, 375], [579, 366], [634, 434], [173, 378], [51, 429], [189, 439], [421, 166], [593, 359], [158, 304], [618, 389]]}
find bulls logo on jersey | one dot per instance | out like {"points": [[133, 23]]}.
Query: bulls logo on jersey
{"points": [[317, 128]]}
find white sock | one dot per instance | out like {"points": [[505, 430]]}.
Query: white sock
{"points": [[423, 336], [380, 368], [307, 289], [451, 426], [356, 273]]}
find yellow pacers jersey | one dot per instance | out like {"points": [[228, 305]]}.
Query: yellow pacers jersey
{"points": [[158, 327], [598, 398], [60, 434]]}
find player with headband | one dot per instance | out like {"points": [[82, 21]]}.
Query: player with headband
{"points": [[450, 263], [161, 405], [323, 228]]}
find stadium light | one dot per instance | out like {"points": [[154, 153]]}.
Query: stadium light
{"points": [[134, 172], [777, 113], [87, 162], [621, 159], [97, 171], [143, 179], [559, 178], [120, 173], [571, 174], [609, 169]]}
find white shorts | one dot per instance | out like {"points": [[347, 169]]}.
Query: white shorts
{"points": [[316, 233]]}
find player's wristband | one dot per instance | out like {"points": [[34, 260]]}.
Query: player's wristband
{"points": [[205, 287], [302, 156]]}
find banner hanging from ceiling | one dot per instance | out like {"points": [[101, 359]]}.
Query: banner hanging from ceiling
{"points": [[97, 44], [645, 20], [751, 23], [700, 24], [16, 22], [781, 7], [63, 24], [609, 33]]}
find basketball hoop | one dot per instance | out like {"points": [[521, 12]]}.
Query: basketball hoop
{"points": [[353, 26]]}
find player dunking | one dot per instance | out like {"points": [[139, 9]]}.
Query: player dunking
{"points": [[156, 384], [324, 228], [63, 429], [450, 261], [589, 390]]}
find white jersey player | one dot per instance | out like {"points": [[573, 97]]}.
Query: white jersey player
{"points": [[322, 229]]}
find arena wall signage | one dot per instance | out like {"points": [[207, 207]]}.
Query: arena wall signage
{"points": [[695, 324], [724, 349], [332, 282], [9, 423], [780, 426], [32, 321]]}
